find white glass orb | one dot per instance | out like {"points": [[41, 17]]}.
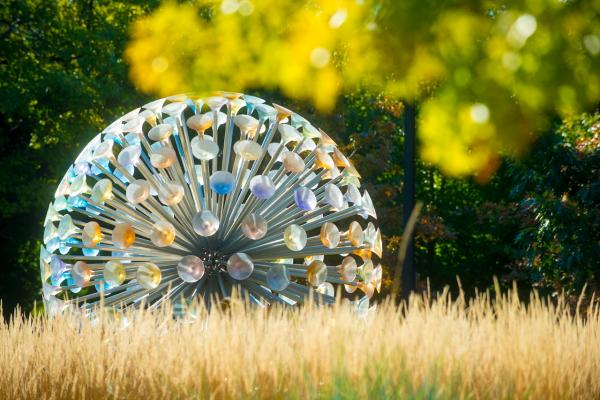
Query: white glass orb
{"points": [[170, 193], [205, 223], [130, 155], [138, 191], [254, 226], [163, 157], [330, 235], [348, 269], [102, 190], [292, 162], [204, 148], [190, 268], [160, 132], [240, 266], [334, 196], [248, 150]]}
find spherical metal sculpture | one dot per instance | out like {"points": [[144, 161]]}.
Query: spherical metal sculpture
{"points": [[190, 197]]}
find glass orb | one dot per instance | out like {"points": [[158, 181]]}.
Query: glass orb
{"points": [[278, 278], [355, 234], [240, 266], [148, 276], [163, 157], [162, 234], [294, 237], [289, 133], [262, 187], [222, 182], [102, 190], [367, 270], [91, 234], [292, 162], [66, 227], [114, 273], [130, 155], [334, 196], [81, 273], [326, 289], [123, 235], [323, 159], [248, 150], [305, 199], [199, 122], [190, 268], [330, 235], [254, 226], [348, 269], [137, 191], [160, 132], [204, 148], [247, 124], [170, 193], [316, 274], [57, 266], [205, 223]]}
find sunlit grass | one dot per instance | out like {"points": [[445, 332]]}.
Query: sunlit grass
{"points": [[435, 349]]}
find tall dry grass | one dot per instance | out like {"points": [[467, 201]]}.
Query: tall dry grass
{"points": [[435, 349]]}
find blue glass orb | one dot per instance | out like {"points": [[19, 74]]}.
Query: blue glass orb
{"points": [[305, 199], [262, 187], [222, 182], [278, 278]]}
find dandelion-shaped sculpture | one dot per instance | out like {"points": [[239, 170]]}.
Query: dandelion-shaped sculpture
{"points": [[190, 197]]}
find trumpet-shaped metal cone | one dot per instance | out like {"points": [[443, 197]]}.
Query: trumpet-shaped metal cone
{"points": [[138, 191], [262, 187], [330, 235], [305, 199], [204, 148], [205, 223], [254, 226], [222, 182], [316, 274], [123, 235], [292, 162], [81, 273], [102, 190], [294, 237], [190, 268], [114, 273], [162, 234], [91, 234], [240, 266], [148, 276], [278, 278]]}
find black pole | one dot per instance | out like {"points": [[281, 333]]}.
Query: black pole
{"points": [[408, 268]]}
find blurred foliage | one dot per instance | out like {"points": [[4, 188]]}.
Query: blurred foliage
{"points": [[489, 74], [63, 77]]}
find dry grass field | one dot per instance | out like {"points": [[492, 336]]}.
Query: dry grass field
{"points": [[433, 349]]}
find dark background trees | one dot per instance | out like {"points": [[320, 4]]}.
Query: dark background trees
{"points": [[63, 78]]}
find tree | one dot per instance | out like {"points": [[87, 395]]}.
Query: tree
{"points": [[62, 76], [488, 74]]}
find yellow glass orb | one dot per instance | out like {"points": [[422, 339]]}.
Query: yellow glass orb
{"points": [[81, 273], [171, 193], [323, 159], [163, 157], [148, 276], [316, 274], [199, 123], [348, 269], [123, 235], [114, 273], [91, 234]]}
